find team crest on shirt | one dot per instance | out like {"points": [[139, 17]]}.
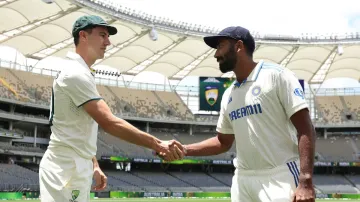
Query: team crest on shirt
{"points": [[74, 195], [256, 91], [211, 94], [299, 92]]}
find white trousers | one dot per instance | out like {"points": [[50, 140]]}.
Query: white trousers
{"points": [[65, 178], [272, 185]]}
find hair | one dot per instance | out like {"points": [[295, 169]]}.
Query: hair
{"points": [[249, 46], [76, 37]]}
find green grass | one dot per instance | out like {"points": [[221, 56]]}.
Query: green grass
{"points": [[174, 200]]}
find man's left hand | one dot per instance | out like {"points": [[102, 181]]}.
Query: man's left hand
{"points": [[100, 180], [304, 193]]}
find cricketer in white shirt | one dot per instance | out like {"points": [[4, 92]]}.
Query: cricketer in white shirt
{"points": [[257, 111], [66, 169]]}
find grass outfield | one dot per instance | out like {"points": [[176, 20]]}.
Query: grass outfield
{"points": [[175, 200]]}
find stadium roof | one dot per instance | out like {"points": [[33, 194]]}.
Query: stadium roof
{"points": [[178, 51]]}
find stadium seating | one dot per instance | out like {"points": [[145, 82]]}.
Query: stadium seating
{"points": [[201, 180], [14, 89], [332, 108], [9, 148], [174, 102], [355, 179], [225, 178], [14, 177], [134, 180], [353, 104], [173, 183], [336, 149], [39, 87], [333, 184], [36, 88]]}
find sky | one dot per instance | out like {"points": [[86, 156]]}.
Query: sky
{"points": [[266, 17]]}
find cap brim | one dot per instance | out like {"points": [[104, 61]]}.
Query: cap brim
{"points": [[213, 41], [112, 30]]}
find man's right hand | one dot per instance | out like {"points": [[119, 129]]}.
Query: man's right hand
{"points": [[171, 150]]}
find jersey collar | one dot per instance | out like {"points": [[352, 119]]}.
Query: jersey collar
{"points": [[77, 57], [253, 75]]}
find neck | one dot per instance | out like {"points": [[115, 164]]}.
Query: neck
{"points": [[88, 60], [243, 70]]}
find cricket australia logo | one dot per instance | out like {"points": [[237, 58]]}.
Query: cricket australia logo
{"points": [[211, 95], [74, 195]]}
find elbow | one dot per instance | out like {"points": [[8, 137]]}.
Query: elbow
{"points": [[226, 148]]}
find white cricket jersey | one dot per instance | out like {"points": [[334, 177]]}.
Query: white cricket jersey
{"points": [[258, 112], [72, 127]]}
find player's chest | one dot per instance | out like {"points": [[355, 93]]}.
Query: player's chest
{"points": [[249, 101]]}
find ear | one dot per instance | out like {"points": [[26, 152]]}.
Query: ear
{"points": [[82, 35], [239, 45]]}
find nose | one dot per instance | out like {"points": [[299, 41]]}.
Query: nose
{"points": [[217, 54], [107, 41]]}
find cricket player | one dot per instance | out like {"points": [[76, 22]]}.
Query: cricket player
{"points": [[265, 112], [69, 163]]}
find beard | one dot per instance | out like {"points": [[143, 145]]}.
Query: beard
{"points": [[228, 61]]}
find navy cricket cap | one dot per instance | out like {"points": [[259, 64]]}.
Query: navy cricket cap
{"points": [[88, 21], [236, 33]]}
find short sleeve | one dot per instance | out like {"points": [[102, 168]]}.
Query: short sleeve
{"points": [[223, 125], [290, 93], [80, 87]]}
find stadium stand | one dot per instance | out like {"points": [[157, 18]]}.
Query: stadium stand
{"points": [[14, 177], [331, 108], [201, 180], [355, 179], [167, 180], [326, 148], [353, 104], [334, 184], [36, 88]]}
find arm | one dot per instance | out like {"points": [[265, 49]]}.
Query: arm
{"points": [[293, 100], [306, 138], [95, 163], [99, 176], [220, 143], [212, 146], [113, 125], [82, 90]]}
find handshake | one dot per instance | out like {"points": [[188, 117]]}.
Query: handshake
{"points": [[170, 150]]}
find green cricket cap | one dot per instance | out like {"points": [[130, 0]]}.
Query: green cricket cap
{"points": [[88, 21]]}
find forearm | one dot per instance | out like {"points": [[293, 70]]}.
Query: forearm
{"points": [[307, 154], [122, 129], [95, 163], [209, 147]]}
